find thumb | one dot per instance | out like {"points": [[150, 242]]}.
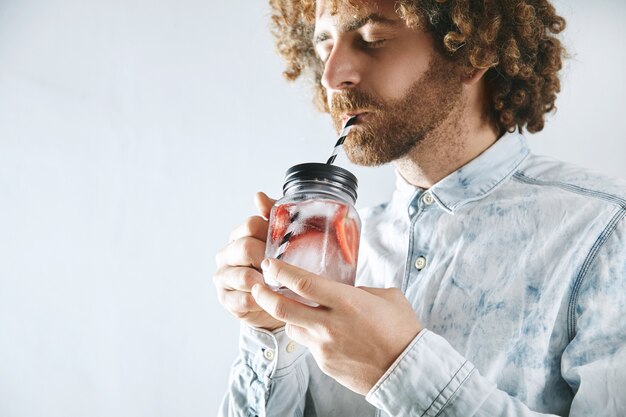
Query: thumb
{"points": [[263, 204]]}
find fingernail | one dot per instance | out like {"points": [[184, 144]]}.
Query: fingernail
{"points": [[265, 264], [255, 290]]}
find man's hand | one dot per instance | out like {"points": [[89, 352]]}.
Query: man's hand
{"points": [[354, 335], [239, 265]]}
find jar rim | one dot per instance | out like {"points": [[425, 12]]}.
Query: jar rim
{"points": [[319, 172]]}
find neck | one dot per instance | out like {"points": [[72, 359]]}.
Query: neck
{"points": [[463, 135]]}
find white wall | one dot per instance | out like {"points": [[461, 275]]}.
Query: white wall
{"points": [[133, 135]]}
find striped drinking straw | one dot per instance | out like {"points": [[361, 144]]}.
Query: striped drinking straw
{"points": [[290, 229], [342, 138], [285, 240]]}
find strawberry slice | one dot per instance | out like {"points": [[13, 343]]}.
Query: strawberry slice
{"points": [[347, 232], [280, 222]]}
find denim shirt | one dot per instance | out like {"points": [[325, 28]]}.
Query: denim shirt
{"points": [[516, 267]]}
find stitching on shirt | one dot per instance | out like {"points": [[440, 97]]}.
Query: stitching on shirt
{"points": [[456, 390], [608, 230], [427, 412], [611, 198], [606, 233]]}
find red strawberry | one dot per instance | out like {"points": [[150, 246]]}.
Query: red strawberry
{"points": [[347, 232], [280, 222]]}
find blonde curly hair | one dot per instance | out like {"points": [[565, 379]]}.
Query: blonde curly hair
{"points": [[514, 39]]}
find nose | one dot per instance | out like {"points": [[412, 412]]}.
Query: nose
{"points": [[341, 70]]}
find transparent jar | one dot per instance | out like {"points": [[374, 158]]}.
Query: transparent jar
{"points": [[315, 225]]}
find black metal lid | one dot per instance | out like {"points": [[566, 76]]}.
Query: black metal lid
{"points": [[315, 171]]}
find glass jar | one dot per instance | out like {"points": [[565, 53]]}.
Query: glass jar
{"points": [[315, 225]]}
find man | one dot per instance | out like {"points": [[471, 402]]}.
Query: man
{"points": [[493, 283]]}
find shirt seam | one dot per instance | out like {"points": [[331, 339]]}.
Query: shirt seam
{"points": [[465, 365], [602, 238], [611, 198], [591, 256]]}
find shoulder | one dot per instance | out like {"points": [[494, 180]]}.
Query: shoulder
{"points": [[564, 179]]}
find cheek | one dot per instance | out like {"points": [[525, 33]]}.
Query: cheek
{"points": [[393, 78]]}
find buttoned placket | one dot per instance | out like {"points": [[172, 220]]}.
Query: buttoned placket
{"points": [[417, 258]]}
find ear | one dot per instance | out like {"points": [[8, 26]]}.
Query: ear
{"points": [[473, 76]]}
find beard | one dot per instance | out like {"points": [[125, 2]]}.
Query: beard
{"points": [[391, 129]]}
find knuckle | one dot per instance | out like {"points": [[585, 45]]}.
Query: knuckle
{"points": [[248, 251], [248, 278], [247, 227], [253, 225], [240, 314], [247, 301], [281, 311], [303, 285]]}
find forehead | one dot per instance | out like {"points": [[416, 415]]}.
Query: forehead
{"points": [[342, 10]]}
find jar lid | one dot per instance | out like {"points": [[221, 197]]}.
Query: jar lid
{"points": [[318, 172]]}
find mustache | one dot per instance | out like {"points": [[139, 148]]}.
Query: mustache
{"points": [[353, 100]]}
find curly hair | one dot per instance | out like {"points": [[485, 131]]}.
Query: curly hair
{"points": [[514, 39]]}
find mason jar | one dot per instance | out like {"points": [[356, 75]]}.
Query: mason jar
{"points": [[314, 225]]}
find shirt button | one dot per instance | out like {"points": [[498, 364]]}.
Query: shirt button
{"points": [[291, 347], [420, 263], [428, 199], [269, 354]]}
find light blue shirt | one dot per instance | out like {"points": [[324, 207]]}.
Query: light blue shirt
{"points": [[515, 265]]}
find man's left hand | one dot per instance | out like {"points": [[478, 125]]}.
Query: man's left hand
{"points": [[355, 334]]}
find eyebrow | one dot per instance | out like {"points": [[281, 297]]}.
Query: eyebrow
{"points": [[372, 18], [358, 23]]}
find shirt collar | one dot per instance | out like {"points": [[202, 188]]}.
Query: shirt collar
{"points": [[474, 180]]}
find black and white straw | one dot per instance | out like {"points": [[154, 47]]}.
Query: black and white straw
{"points": [[342, 138], [285, 240]]}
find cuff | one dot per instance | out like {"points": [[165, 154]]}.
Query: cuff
{"points": [[423, 379], [269, 354]]}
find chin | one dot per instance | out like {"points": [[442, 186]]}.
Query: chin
{"points": [[365, 157]]}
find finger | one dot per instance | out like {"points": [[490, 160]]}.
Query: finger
{"points": [[255, 227], [246, 251], [306, 284], [263, 204], [239, 278], [239, 303], [285, 309]]}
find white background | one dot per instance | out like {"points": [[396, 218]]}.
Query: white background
{"points": [[133, 135]]}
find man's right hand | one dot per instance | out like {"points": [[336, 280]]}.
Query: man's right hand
{"points": [[239, 266]]}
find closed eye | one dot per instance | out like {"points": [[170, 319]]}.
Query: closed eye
{"points": [[373, 44]]}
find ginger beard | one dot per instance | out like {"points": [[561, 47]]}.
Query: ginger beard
{"points": [[394, 128]]}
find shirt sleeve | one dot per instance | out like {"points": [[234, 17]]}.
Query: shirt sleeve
{"points": [[430, 378], [594, 363], [268, 378]]}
